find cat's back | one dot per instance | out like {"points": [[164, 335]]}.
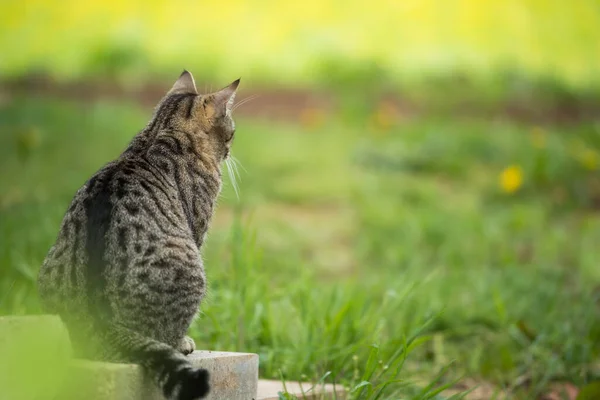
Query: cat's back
{"points": [[112, 219], [61, 273]]}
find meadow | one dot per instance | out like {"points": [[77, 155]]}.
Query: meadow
{"points": [[434, 231], [358, 239]]}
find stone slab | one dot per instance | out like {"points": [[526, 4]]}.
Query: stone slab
{"points": [[233, 376], [38, 346], [269, 390]]}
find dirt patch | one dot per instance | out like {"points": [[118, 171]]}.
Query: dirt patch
{"points": [[295, 104]]}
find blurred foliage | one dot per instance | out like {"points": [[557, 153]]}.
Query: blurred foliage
{"points": [[35, 354], [296, 43]]}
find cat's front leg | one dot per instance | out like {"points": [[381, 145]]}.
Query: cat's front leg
{"points": [[186, 345]]}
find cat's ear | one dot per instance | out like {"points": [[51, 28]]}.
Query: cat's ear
{"points": [[184, 85], [224, 98]]}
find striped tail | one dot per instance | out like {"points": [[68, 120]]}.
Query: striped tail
{"points": [[171, 370]]}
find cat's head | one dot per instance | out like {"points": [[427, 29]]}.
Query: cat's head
{"points": [[206, 116]]}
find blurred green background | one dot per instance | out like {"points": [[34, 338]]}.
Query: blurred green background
{"points": [[418, 177]]}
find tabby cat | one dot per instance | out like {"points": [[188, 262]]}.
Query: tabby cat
{"points": [[125, 273]]}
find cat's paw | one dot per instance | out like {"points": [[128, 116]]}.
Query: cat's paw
{"points": [[187, 345]]}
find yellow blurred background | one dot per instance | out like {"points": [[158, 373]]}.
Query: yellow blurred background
{"points": [[287, 42]]}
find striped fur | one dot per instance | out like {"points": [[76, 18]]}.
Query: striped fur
{"points": [[125, 273]]}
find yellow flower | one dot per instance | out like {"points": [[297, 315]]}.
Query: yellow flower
{"points": [[538, 137], [511, 179]]}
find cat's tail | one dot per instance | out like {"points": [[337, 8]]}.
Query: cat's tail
{"points": [[171, 370]]}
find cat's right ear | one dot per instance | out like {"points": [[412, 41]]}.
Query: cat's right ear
{"points": [[224, 98], [184, 85]]}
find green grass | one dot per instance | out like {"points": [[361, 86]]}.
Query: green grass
{"points": [[347, 240]]}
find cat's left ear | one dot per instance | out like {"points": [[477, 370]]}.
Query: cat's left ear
{"points": [[224, 98], [184, 85]]}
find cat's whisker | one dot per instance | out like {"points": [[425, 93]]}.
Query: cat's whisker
{"points": [[235, 164], [235, 169], [232, 178], [244, 101], [238, 164], [230, 164]]}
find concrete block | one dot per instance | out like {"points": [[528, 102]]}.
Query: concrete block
{"points": [[233, 376], [269, 390], [36, 363]]}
